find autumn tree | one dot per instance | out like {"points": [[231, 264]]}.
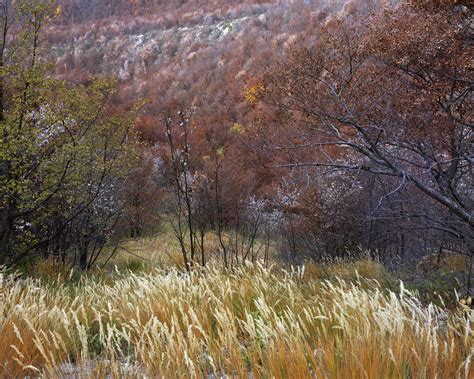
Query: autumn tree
{"points": [[393, 100]]}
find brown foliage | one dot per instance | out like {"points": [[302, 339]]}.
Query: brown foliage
{"points": [[393, 99]]}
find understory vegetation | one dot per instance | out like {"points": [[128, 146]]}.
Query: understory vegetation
{"points": [[337, 320]]}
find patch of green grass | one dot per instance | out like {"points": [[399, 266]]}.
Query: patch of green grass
{"points": [[436, 282]]}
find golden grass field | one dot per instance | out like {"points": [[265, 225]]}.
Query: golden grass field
{"points": [[331, 322]]}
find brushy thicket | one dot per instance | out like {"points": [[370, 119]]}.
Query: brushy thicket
{"points": [[318, 322]]}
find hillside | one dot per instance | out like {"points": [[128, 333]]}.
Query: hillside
{"points": [[130, 47], [203, 54]]}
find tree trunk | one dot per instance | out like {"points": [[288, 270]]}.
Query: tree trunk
{"points": [[83, 253], [83, 258], [6, 232]]}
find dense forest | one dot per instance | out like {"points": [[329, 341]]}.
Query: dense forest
{"points": [[77, 11], [380, 160], [296, 133]]}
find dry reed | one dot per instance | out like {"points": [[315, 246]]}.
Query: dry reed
{"points": [[253, 321]]}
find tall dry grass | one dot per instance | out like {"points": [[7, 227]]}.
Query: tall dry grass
{"points": [[253, 321]]}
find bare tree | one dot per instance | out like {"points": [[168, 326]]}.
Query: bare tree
{"points": [[179, 155], [394, 101]]}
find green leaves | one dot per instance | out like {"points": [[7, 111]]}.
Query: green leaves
{"points": [[61, 142]]}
